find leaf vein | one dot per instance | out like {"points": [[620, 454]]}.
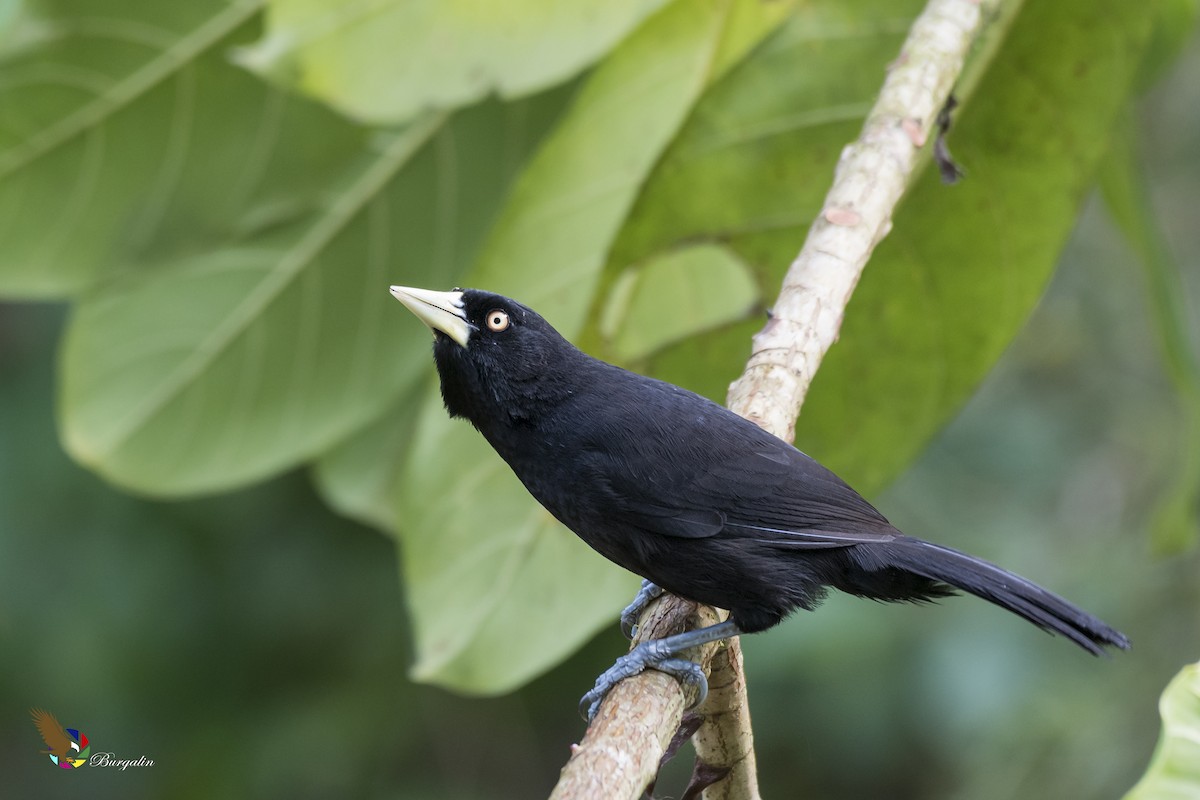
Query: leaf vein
{"points": [[128, 89], [337, 216]]}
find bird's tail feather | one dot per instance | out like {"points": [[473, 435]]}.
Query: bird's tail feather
{"points": [[1026, 599]]}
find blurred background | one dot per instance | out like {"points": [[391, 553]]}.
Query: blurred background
{"points": [[256, 645]]}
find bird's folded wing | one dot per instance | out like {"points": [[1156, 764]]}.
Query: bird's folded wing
{"points": [[764, 490]]}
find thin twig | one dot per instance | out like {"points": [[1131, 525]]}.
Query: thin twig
{"points": [[621, 749]]}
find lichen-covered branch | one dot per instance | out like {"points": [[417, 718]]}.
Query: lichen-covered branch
{"points": [[620, 752]]}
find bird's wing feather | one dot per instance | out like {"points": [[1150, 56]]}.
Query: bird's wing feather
{"points": [[727, 477], [52, 732]]}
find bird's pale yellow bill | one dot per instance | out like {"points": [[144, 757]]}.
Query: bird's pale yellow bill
{"points": [[441, 311]]}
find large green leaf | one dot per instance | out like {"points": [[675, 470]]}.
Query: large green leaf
{"points": [[11, 13], [219, 368], [1174, 771], [386, 60], [965, 265], [357, 476], [122, 130], [483, 562], [1174, 24], [946, 291], [757, 153], [755, 157], [241, 360]]}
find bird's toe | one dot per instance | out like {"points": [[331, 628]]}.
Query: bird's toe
{"points": [[648, 655], [629, 617]]}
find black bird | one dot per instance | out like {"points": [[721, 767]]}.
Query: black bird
{"points": [[697, 500]]}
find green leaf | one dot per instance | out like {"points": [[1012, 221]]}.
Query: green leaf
{"points": [[963, 266], [101, 118], [677, 295], [1174, 771], [483, 561], [216, 369], [221, 368], [11, 12], [552, 238], [387, 60], [757, 153], [358, 476], [1174, 23]]}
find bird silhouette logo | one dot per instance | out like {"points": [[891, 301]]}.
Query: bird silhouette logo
{"points": [[68, 747]]}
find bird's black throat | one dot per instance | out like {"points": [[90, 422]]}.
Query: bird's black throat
{"points": [[494, 391]]}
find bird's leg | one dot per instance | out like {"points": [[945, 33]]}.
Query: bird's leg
{"points": [[629, 617], [657, 654]]}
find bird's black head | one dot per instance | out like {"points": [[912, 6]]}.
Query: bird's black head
{"points": [[499, 361]]}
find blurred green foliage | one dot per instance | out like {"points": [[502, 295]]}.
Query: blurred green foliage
{"points": [[229, 242]]}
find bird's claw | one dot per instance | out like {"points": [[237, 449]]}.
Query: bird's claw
{"points": [[629, 617], [589, 704], [641, 658]]}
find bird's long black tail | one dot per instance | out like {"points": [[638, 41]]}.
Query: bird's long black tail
{"points": [[1048, 611]]}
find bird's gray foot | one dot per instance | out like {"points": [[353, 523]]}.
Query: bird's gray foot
{"points": [[629, 617], [688, 672], [659, 654]]}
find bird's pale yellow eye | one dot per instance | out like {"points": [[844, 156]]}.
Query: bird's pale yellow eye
{"points": [[497, 320]]}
